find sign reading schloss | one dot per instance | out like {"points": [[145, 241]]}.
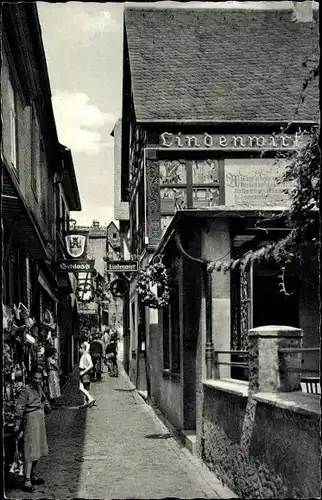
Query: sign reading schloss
{"points": [[78, 266], [229, 141], [122, 266]]}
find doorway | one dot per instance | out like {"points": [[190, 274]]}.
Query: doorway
{"points": [[272, 307]]}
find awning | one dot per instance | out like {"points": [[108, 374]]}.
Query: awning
{"points": [[243, 220], [47, 287], [17, 215]]}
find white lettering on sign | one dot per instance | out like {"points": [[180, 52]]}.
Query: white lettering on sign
{"points": [[241, 141], [122, 266], [76, 265]]}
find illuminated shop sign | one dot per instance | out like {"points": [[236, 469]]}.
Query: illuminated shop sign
{"points": [[229, 141]]}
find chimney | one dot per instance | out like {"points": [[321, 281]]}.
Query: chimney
{"points": [[303, 11], [96, 224]]}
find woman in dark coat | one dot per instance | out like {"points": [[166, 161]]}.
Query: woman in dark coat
{"points": [[30, 408]]}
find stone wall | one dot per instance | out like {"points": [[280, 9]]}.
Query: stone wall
{"points": [[261, 450]]}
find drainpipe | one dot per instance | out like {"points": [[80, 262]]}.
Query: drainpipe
{"points": [[207, 278]]}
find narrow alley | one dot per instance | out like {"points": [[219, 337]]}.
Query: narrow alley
{"points": [[117, 449]]}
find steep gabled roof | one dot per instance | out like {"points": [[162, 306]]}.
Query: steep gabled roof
{"points": [[220, 65], [112, 226], [69, 180]]}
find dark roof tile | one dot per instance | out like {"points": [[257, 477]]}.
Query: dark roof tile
{"points": [[220, 65]]}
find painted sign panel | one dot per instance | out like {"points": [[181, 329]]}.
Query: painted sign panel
{"points": [[87, 308], [254, 182], [76, 266], [169, 140], [122, 266], [87, 311], [76, 244]]}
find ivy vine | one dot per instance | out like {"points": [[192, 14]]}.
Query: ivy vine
{"points": [[153, 274]]}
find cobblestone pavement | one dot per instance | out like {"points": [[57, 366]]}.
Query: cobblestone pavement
{"points": [[117, 449]]}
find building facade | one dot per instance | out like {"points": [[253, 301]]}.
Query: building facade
{"points": [[39, 189], [102, 242], [204, 131]]}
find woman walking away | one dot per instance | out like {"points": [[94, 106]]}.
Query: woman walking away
{"points": [[85, 367], [53, 376], [30, 408]]}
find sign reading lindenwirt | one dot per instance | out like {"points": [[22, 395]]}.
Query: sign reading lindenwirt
{"points": [[122, 266], [179, 140], [76, 266]]}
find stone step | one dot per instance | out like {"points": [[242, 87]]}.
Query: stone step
{"points": [[190, 441]]}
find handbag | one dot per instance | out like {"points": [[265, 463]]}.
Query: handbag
{"points": [[17, 464], [86, 378]]}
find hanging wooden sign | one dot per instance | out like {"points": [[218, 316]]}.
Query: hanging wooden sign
{"points": [[122, 266], [76, 266]]}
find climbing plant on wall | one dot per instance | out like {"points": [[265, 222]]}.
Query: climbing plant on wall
{"points": [[153, 274]]}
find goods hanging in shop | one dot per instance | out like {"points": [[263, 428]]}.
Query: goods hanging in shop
{"points": [[23, 350]]}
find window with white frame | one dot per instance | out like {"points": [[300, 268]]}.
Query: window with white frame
{"points": [[12, 124]]}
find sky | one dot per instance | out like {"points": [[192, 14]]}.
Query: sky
{"points": [[83, 48]]}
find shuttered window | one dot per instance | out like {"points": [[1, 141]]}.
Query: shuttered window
{"points": [[14, 279], [35, 154], [12, 124]]}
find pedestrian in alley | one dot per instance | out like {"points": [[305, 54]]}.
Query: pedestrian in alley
{"points": [[30, 408], [96, 351], [111, 354], [85, 367], [53, 372]]}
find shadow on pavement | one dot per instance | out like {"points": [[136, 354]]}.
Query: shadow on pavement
{"points": [[61, 470], [159, 436], [124, 390]]}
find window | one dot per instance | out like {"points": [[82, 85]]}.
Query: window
{"points": [[114, 236], [175, 330], [62, 215], [205, 180], [14, 291], [187, 184], [171, 332], [166, 347], [12, 125], [36, 146]]}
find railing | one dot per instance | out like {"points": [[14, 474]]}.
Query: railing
{"points": [[298, 350], [239, 369], [243, 354], [308, 384]]}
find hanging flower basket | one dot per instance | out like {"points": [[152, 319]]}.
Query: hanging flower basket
{"points": [[153, 274]]}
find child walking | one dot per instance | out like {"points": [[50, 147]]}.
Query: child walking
{"points": [[85, 367]]}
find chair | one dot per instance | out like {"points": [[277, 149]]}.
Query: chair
{"points": [[311, 385]]}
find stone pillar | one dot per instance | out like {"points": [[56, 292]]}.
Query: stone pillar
{"points": [[265, 363], [216, 246]]}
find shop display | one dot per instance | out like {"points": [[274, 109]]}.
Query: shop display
{"points": [[23, 349]]}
